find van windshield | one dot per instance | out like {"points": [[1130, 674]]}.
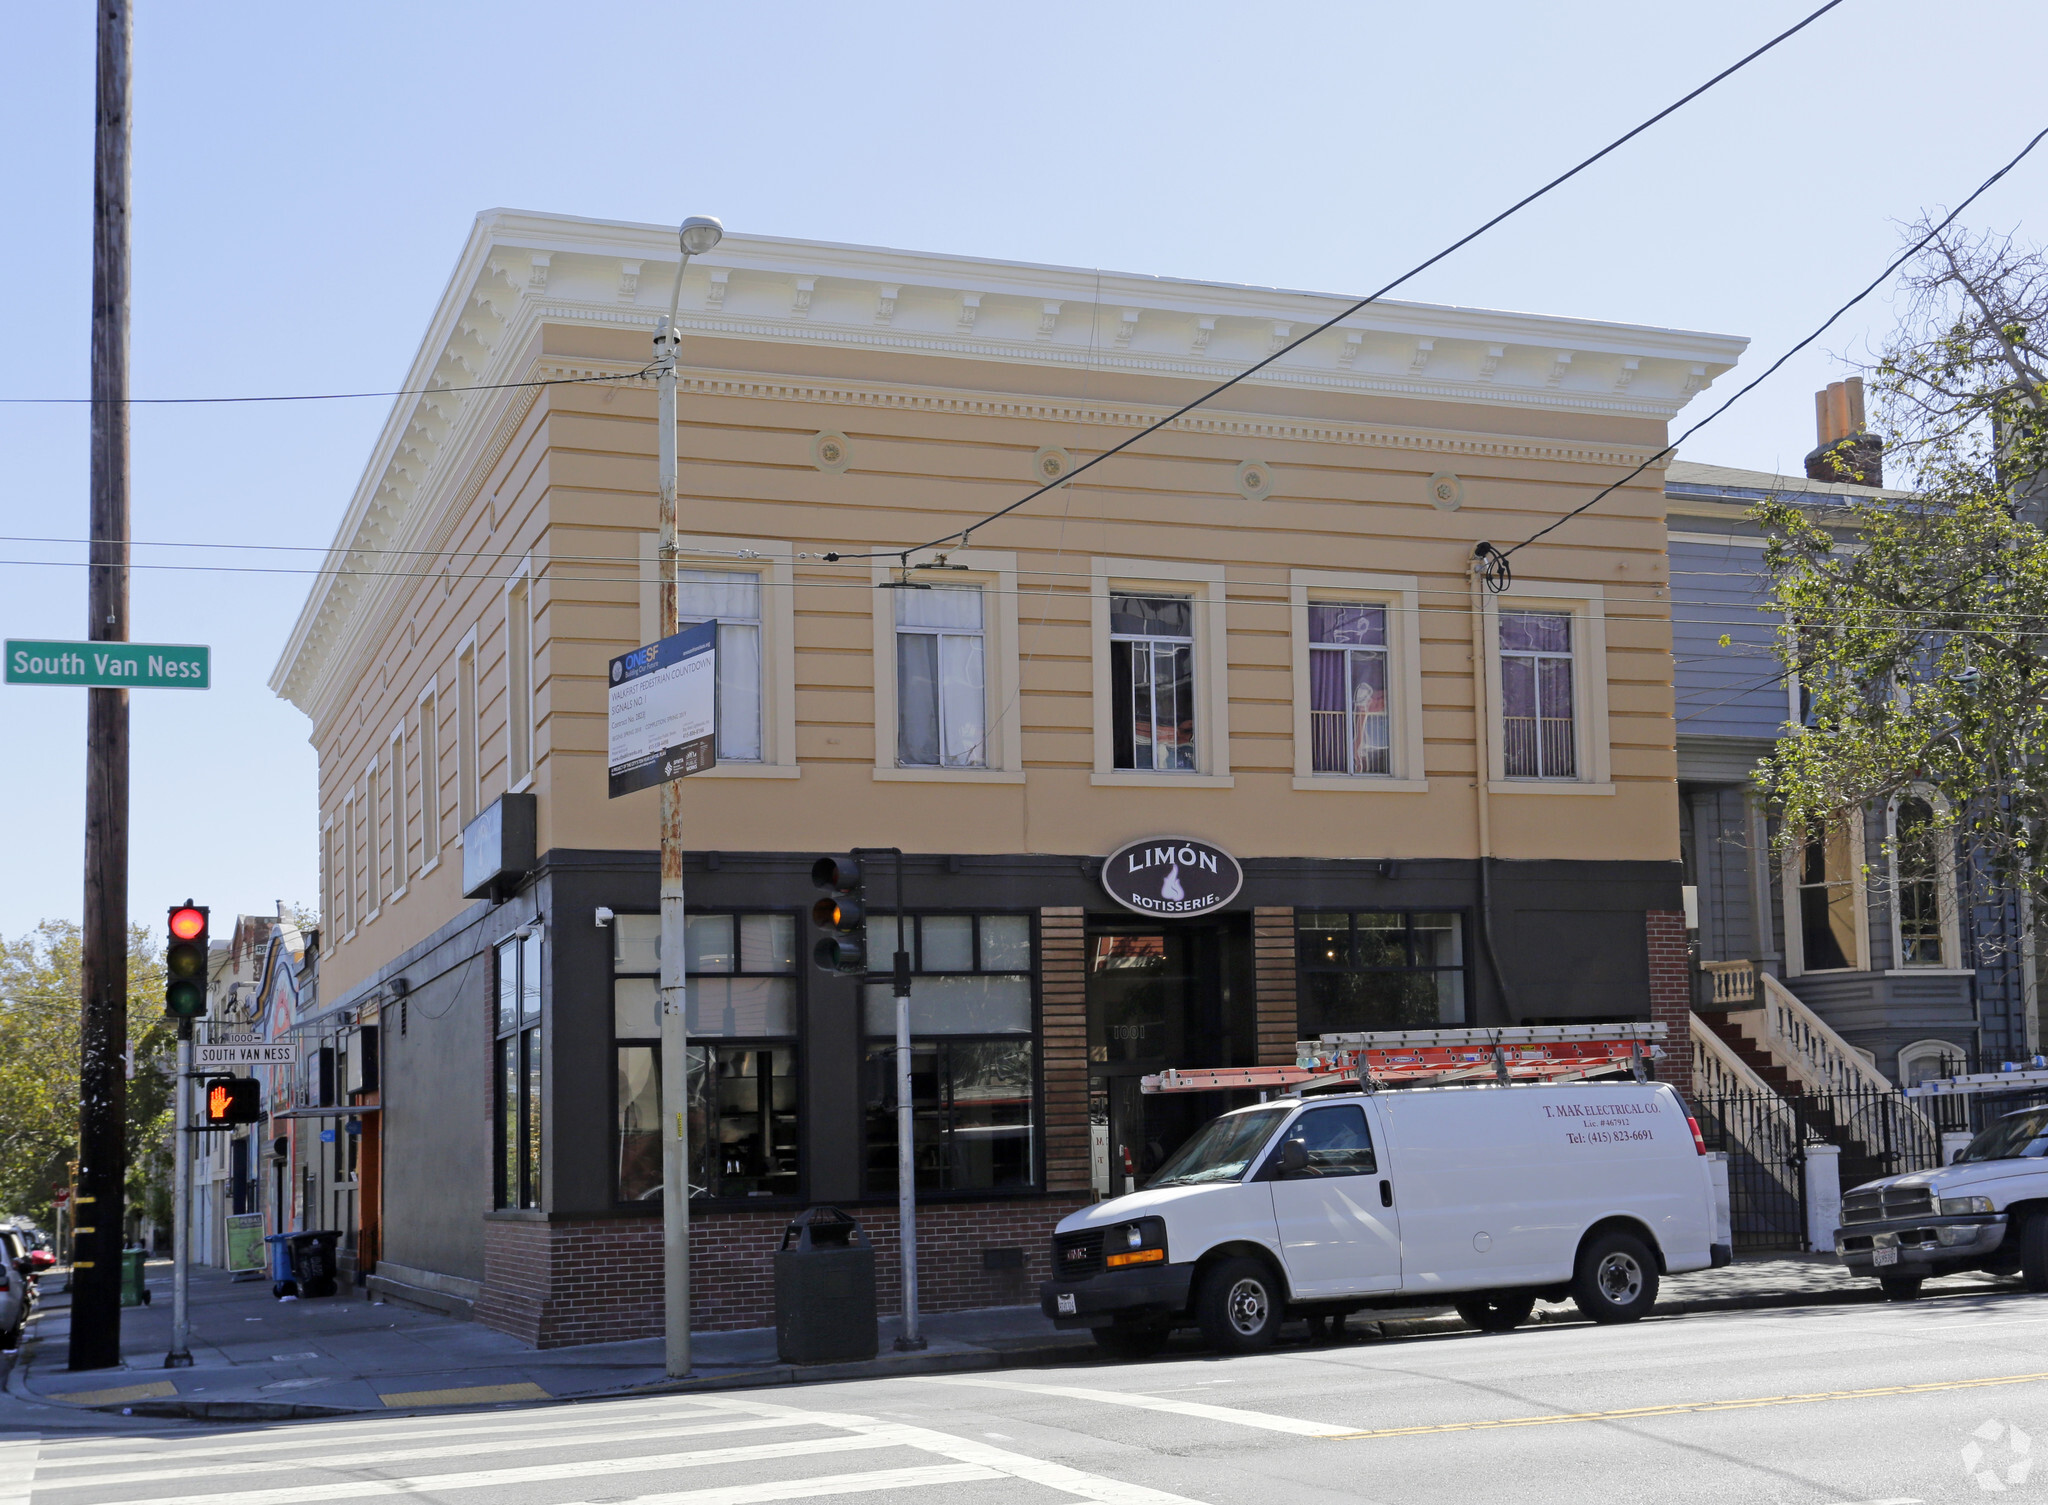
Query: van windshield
{"points": [[1222, 1150], [2016, 1136]]}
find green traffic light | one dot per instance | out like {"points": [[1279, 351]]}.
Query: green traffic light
{"points": [[184, 999]]}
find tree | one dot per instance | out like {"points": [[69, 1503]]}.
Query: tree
{"points": [[39, 1059], [1921, 655]]}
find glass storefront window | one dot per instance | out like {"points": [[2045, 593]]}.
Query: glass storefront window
{"points": [[1379, 970], [740, 1012], [516, 1105], [974, 1073]]}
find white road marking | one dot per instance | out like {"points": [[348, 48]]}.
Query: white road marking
{"points": [[154, 1470], [328, 1434], [18, 1468], [826, 1484], [1231, 1414], [1052, 1475], [584, 1468]]}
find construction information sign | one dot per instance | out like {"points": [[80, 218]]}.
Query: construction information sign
{"points": [[664, 710], [210, 1057], [133, 666]]}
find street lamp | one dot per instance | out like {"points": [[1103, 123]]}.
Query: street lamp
{"points": [[697, 234]]}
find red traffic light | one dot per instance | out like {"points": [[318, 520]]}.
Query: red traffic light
{"points": [[188, 922]]}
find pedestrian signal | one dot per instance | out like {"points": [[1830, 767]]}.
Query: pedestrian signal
{"points": [[185, 962], [232, 1100]]}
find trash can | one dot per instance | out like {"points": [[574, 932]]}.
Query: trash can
{"points": [[133, 1291], [313, 1261], [281, 1282], [824, 1290]]}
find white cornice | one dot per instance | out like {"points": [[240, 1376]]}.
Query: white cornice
{"points": [[520, 270]]}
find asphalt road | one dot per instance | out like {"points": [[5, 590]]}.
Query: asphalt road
{"points": [[1806, 1407]]}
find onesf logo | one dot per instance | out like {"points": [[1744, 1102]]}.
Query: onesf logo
{"points": [[1172, 876]]}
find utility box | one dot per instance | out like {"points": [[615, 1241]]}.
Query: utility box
{"points": [[824, 1290], [498, 846]]}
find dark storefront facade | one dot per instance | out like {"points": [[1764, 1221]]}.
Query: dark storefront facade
{"points": [[1038, 1006]]}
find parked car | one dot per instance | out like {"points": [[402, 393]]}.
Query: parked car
{"points": [[16, 1289], [1985, 1210], [1481, 1198], [17, 1251]]}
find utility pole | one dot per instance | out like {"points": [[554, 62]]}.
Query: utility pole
{"points": [[906, 1148], [99, 1216], [697, 235]]}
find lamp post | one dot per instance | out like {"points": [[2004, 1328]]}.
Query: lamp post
{"points": [[698, 234]]}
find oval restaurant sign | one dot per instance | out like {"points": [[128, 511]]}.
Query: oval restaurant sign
{"points": [[1172, 875]]}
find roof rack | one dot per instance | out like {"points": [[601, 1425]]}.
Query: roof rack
{"points": [[1435, 1058]]}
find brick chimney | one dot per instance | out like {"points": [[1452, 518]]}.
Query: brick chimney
{"points": [[1847, 450]]}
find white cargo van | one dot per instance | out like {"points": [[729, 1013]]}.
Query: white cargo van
{"points": [[1482, 1198]]}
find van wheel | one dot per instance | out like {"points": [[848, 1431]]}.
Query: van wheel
{"points": [[1496, 1314], [2034, 1251], [1128, 1339], [1900, 1287], [1616, 1279], [1239, 1306]]}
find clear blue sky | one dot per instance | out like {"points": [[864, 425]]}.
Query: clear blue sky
{"points": [[304, 177]]}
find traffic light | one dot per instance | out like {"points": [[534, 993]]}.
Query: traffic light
{"points": [[185, 962], [232, 1100], [842, 915]]}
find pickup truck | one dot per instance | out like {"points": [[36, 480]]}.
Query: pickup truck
{"points": [[1986, 1210]]}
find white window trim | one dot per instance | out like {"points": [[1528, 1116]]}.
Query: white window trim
{"points": [[1945, 888], [1795, 925], [773, 563], [330, 905], [469, 735], [1929, 1046], [401, 833], [348, 862], [520, 697], [1401, 596], [995, 571], [373, 844], [1591, 734], [1212, 669], [428, 709]]}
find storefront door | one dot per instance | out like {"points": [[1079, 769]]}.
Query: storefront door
{"points": [[1160, 995]]}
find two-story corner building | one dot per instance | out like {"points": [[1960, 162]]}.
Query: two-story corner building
{"points": [[1912, 960], [1256, 631]]}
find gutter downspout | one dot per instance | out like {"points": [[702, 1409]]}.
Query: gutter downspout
{"points": [[1482, 716]]}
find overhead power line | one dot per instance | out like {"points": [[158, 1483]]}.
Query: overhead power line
{"points": [[1334, 320], [1498, 571]]}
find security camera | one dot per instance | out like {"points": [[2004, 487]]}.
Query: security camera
{"points": [[604, 916]]}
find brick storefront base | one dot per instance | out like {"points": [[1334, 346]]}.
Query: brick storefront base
{"points": [[599, 1280], [1671, 994]]}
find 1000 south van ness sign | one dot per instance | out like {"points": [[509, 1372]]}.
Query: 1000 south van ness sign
{"points": [[1172, 875]]}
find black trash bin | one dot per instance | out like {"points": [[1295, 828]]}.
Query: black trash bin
{"points": [[824, 1290], [313, 1261]]}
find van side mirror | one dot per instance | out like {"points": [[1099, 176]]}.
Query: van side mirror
{"points": [[1293, 1157]]}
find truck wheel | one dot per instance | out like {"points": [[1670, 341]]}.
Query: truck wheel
{"points": [[1239, 1306], [1128, 1339], [2034, 1251], [1900, 1287], [1501, 1313], [1616, 1279]]}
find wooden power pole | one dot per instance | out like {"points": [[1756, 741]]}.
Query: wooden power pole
{"points": [[99, 1216]]}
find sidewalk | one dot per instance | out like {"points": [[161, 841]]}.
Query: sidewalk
{"points": [[256, 1358]]}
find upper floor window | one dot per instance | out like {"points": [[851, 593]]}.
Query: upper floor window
{"points": [[732, 598], [1152, 682], [1827, 874], [519, 680], [1539, 736], [941, 678], [1348, 711], [1920, 876]]}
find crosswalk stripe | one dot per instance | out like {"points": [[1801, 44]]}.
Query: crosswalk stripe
{"points": [[591, 1417], [584, 1468], [825, 1484], [18, 1468], [963, 1450], [156, 1473], [1265, 1421]]}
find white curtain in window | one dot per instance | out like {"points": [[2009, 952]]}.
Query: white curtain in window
{"points": [[733, 599], [941, 688]]}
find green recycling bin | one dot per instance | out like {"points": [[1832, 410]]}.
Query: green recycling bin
{"points": [[133, 1291]]}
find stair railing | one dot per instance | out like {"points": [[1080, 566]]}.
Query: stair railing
{"points": [[1733, 982], [1721, 1080], [1808, 1047]]}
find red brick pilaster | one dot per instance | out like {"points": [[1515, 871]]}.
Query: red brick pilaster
{"points": [[1671, 994], [1273, 966], [1063, 1023]]}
